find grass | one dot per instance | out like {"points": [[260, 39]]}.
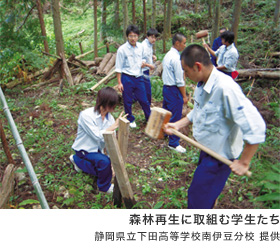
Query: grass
{"points": [[47, 122]]}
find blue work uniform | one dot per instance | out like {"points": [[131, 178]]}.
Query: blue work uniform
{"points": [[173, 77], [148, 54], [128, 62], [89, 146], [222, 119]]}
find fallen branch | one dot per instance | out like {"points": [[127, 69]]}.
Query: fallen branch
{"points": [[105, 79], [259, 73]]}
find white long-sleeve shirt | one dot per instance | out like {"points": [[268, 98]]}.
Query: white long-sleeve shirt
{"points": [[90, 131], [223, 116]]}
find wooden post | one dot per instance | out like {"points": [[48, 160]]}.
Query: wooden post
{"points": [[123, 143], [7, 186], [66, 70], [117, 161], [81, 48]]}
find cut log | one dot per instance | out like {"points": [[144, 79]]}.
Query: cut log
{"points": [[261, 73], [158, 70], [66, 70], [5, 144], [78, 78], [104, 62], [109, 65], [8, 184], [107, 78], [52, 70]]}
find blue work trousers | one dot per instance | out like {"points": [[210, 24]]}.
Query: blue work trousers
{"points": [[96, 164], [134, 87], [148, 86], [208, 182], [173, 101]]}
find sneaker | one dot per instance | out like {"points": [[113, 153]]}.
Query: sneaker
{"points": [[111, 189], [133, 124], [179, 149], [71, 158]]}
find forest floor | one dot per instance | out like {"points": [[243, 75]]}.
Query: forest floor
{"points": [[159, 177]]}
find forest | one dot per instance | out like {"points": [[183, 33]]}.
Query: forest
{"points": [[56, 55]]}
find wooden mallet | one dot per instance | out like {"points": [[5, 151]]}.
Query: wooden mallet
{"points": [[201, 34], [159, 117]]}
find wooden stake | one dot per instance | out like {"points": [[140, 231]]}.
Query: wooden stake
{"points": [[5, 145], [117, 161], [123, 144], [7, 186]]}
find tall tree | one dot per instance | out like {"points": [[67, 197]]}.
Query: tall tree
{"points": [[103, 19], [169, 18], [145, 18], [154, 14], [95, 27], [209, 3], [57, 28], [133, 12], [216, 20], [195, 5], [125, 18], [276, 12], [236, 18], [164, 26], [117, 13], [42, 24]]}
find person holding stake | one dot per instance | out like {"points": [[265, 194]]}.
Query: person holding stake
{"points": [[89, 144], [222, 119], [129, 63], [174, 89]]}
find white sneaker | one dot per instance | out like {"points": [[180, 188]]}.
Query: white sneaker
{"points": [[74, 164], [133, 124], [179, 149], [111, 189]]}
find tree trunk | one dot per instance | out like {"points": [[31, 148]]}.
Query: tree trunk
{"points": [[209, 3], [125, 18], [164, 27], [195, 6], [117, 13], [154, 14], [42, 24], [103, 20], [276, 12], [216, 23], [133, 12], [236, 18], [57, 27], [95, 28], [145, 18], [169, 18]]}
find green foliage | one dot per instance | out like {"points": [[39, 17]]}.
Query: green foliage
{"points": [[270, 188], [156, 85]]}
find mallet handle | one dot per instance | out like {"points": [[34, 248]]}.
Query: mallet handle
{"points": [[205, 149]]}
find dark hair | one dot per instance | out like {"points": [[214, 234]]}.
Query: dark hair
{"points": [[132, 28], [106, 97], [152, 32], [195, 53], [228, 36], [177, 37]]}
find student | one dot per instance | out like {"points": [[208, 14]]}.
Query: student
{"points": [[222, 119], [129, 63], [89, 144], [148, 43], [227, 54], [174, 89], [217, 43]]}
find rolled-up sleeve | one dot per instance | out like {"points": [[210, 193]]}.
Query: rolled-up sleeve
{"points": [[119, 61], [246, 116]]}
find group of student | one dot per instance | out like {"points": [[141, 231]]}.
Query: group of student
{"points": [[222, 117]]}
